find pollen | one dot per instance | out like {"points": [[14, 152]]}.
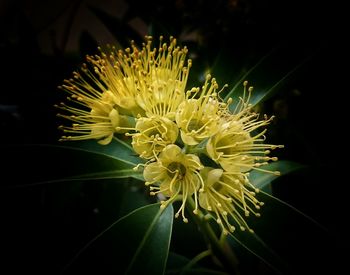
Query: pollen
{"points": [[197, 116], [140, 94], [153, 135], [93, 115], [229, 197], [175, 175], [165, 72], [238, 145]]}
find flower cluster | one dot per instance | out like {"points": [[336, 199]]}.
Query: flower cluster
{"points": [[195, 146]]}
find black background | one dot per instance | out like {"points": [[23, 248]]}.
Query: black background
{"points": [[41, 43]]}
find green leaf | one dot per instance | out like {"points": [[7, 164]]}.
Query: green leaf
{"points": [[263, 91], [262, 180], [175, 263], [247, 242], [138, 243], [133, 199], [267, 74], [224, 68], [40, 164], [285, 237], [117, 149], [103, 175], [252, 243]]}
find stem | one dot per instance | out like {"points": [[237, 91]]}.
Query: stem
{"points": [[194, 149], [218, 248], [195, 260]]}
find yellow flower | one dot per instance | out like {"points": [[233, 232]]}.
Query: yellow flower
{"points": [[197, 116], [134, 82], [93, 114], [142, 80], [117, 71], [227, 196], [163, 78], [235, 146], [153, 134], [175, 175], [147, 85]]}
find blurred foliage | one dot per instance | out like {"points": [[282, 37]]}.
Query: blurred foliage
{"points": [[294, 44]]}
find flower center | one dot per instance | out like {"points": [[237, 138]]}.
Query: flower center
{"points": [[176, 167], [153, 133], [194, 125], [233, 144], [217, 186]]}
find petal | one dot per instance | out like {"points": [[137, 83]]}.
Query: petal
{"points": [[114, 117], [193, 183], [153, 171], [187, 139], [193, 162], [211, 148], [203, 200], [171, 153], [106, 140], [172, 129], [214, 176], [232, 166]]}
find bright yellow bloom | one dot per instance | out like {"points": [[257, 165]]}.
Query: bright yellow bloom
{"points": [[94, 117], [134, 82], [227, 195], [235, 146], [175, 175], [114, 71], [163, 78], [153, 134], [147, 86], [197, 116], [152, 79]]}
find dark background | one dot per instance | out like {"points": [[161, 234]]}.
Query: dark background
{"points": [[42, 42]]}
